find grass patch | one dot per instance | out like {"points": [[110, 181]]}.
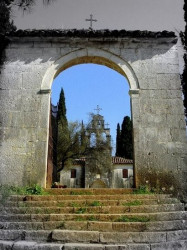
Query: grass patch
{"points": [[80, 193], [6, 191], [132, 203], [143, 190], [132, 219], [95, 204], [89, 218], [60, 204], [61, 225], [92, 218], [79, 218], [81, 210], [74, 204]]}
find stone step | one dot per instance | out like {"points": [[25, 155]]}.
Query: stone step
{"points": [[89, 191], [97, 226], [99, 209], [26, 245], [101, 217], [74, 236], [164, 216], [73, 203], [93, 197]]}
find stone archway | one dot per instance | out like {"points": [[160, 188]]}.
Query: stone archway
{"points": [[89, 55], [149, 61]]}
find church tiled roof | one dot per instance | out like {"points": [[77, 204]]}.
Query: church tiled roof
{"points": [[120, 160], [115, 160]]}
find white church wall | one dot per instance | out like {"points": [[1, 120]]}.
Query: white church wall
{"points": [[65, 177], [117, 176]]}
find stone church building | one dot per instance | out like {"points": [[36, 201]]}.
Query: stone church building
{"points": [[98, 169]]}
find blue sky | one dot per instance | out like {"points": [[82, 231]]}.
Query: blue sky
{"points": [[88, 85]]}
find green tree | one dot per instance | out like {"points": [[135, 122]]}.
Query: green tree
{"points": [[71, 140], [184, 75], [61, 115], [126, 138], [124, 143], [69, 144], [118, 140]]}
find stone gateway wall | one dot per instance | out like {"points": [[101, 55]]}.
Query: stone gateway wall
{"points": [[149, 61]]}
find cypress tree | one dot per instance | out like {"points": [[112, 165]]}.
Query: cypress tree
{"points": [[118, 141], [126, 138], [61, 115]]}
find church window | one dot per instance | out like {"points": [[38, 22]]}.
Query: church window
{"points": [[73, 173], [125, 173]]}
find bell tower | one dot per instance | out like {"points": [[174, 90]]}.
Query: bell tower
{"points": [[98, 163]]}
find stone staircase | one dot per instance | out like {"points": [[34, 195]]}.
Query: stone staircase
{"points": [[107, 219]]}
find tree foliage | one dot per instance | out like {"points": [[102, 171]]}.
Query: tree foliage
{"points": [[74, 142], [61, 115], [69, 145], [118, 140], [184, 75], [124, 142]]}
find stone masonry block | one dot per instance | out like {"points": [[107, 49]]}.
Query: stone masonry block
{"points": [[79, 246], [38, 44], [31, 55], [101, 226], [24, 245], [126, 237], [32, 80], [10, 235], [39, 235], [11, 81], [50, 246], [75, 236], [169, 81], [22, 45], [177, 235], [180, 245], [147, 82], [31, 119], [6, 245], [11, 100], [135, 247]]}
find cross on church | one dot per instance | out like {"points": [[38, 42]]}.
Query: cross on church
{"points": [[91, 20], [107, 124], [98, 109]]}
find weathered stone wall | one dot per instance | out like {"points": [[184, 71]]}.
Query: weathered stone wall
{"points": [[151, 66]]}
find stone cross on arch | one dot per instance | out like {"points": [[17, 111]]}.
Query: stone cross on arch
{"points": [[91, 20], [98, 109]]}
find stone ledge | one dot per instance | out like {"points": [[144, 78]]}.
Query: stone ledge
{"points": [[90, 33]]}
